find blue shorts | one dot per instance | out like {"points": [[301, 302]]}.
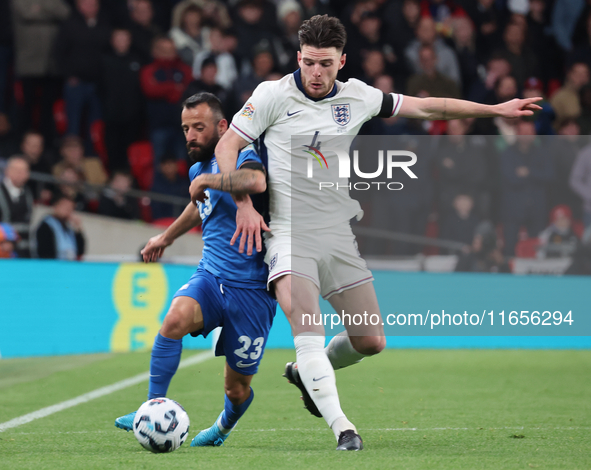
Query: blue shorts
{"points": [[245, 315]]}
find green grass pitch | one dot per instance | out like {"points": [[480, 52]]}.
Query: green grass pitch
{"points": [[430, 409]]}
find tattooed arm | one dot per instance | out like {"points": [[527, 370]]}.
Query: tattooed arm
{"points": [[237, 182]]}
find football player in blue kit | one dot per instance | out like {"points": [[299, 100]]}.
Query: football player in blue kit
{"points": [[228, 289]]}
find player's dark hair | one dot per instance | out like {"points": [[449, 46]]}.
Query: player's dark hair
{"points": [[323, 31], [210, 99]]}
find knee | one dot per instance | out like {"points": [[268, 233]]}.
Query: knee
{"points": [[176, 324], [237, 393], [369, 345]]}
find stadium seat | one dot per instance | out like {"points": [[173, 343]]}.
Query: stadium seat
{"points": [[59, 116], [527, 248], [97, 135], [141, 161]]}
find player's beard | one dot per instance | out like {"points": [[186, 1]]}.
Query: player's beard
{"points": [[202, 153]]}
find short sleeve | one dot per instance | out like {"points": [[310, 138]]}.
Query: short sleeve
{"points": [[257, 114], [195, 170], [248, 154], [375, 98]]}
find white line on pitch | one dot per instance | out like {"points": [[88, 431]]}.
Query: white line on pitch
{"points": [[99, 392]]}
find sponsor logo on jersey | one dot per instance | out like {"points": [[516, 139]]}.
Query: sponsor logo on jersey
{"points": [[273, 262], [341, 113], [248, 111]]}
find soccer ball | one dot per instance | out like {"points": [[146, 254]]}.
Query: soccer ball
{"points": [[161, 425]]}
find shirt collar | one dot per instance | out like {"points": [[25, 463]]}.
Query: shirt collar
{"points": [[13, 191], [297, 75]]}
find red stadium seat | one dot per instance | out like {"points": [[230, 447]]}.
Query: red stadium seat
{"points": [[527, 248], [141, 161], [97, 135], [59, 116]]}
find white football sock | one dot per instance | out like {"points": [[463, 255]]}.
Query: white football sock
{"points": [[317, 375], [341, 352]]}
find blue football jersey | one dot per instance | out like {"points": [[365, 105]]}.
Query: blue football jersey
{"points": [[218, 215]]}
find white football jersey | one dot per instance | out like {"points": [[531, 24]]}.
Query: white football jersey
{"points": [[288, 123]]}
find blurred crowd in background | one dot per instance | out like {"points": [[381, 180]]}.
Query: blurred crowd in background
{"points": [[90, 92]]}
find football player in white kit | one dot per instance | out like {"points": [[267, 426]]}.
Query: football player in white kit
{"points": [[311, 102]]}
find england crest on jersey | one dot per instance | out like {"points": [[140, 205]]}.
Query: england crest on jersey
{"points": [[341, 113]]}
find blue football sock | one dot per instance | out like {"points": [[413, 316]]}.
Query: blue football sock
{"points": [[166, 355], [232, 413]]}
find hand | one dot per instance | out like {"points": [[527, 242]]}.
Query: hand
{"points": [[249, 223], [522, 171], [75, 222], [154, 249], [518, 108], [197, 190]]}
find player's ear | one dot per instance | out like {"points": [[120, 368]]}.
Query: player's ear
{"points": [[342, 61], [222, 126], [299, 57]]}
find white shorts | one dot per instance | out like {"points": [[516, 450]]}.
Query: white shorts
{"points": [[328, 257]]}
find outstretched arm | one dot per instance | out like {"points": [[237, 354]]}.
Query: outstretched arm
{"points": [[186, 221], [450, 108]]}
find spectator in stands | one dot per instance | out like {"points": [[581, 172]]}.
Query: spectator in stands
{"points": [[115, 200], [262, 65], [163, 82], [580, 182], [542, 41], [584, 120], [526, 171], [564, 20], [32, 149], [487, 21], [566, 101], [5, 54], [36, 26], [523, 62], [558, 239], [289, 15], [142, 29], [543, 118], [565, 149], [59, 235], [207, 82], [447, 62], [482, 90], [431, 82], [461, 224], [8, 241], [315, 7], [581, 265], [252, 31], [8, 140], [16, 202], [401, 21], [582, 53], [72, 154], [121, 98], [81, 41], [366, 36], [465, 46], [373, 66], [189, 35], [484, 255], [394, 125], [226, 66], [167, 180], [462, 168], [70, 183]]}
